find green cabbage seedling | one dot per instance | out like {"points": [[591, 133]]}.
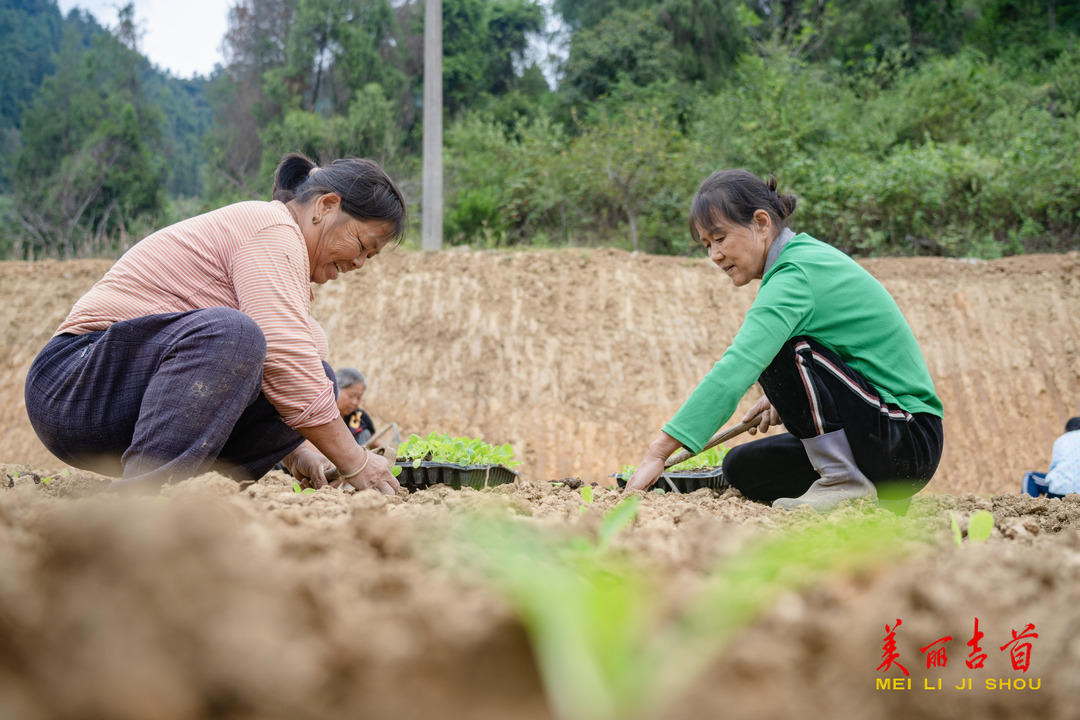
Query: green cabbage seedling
{"points": [[437, 447], [980, 526]]}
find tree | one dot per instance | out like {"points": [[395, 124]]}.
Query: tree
{"points": [[30, 34], [484, 43], [255, 44], [88, 159], [626, 46], [707, 35], [638, 166], [584, 14], [288, 59]]}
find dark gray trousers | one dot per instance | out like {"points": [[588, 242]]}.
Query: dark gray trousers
{"points": [[160, 398]]}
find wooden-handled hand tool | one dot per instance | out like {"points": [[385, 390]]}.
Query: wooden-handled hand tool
{"points": [[720, 436]]}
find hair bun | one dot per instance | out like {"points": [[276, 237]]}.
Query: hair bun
{"points": [[291, 173], [786, 204]]}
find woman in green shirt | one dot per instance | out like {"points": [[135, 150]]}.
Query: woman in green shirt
{"points": [[837, 361]]}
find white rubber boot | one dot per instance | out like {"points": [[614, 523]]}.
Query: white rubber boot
{"points": [[841, 479]]}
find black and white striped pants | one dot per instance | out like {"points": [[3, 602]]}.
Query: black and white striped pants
{"points": [[815, 392]]}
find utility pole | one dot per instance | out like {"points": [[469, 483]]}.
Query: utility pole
{"points": [[432, 200]]}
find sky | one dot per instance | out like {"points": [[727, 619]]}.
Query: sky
{"points": [[181, 36]]}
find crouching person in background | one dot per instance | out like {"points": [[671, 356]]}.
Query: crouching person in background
{"points": [[1063, 477], [351, 388]]}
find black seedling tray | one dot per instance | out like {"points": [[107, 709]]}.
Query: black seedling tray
{"points": [[456, 476], [686, 481]]}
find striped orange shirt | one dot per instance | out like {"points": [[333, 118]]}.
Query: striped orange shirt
{"points": [[249, 256]]}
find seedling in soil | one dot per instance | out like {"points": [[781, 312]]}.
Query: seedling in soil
{"points": [[305, 491], [980, 526], [604, 639], [437, 447], [586, 498], [617, 518]]}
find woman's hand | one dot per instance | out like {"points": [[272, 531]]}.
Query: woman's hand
{"points": [[307, 465], [652, 465], [769, 416], [335, 441], [374, 475]]}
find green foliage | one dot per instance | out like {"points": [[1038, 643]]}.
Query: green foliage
{"points": [[505, 187], [904, 127], [713, 457], [483, 43], [306, 491], [626, 45], [87, 164], [616, 519], [634, 170], [366, 130], [438, 447], [708, 36], [29, 33]]}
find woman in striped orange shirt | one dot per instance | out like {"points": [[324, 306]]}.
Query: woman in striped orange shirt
{"points": [[197, 349]]}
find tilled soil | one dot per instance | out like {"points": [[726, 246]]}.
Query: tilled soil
{"points": [[209, 600]]}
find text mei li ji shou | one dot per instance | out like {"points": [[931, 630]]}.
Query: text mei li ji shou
{"points": [[935, 655]]}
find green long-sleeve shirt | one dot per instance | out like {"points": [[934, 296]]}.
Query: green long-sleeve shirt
{"points": [[813, 290]]}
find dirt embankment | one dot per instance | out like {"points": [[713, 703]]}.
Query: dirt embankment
{"points": [[577, 357]]}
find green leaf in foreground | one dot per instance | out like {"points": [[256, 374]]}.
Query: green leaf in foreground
{"points": [[586, 494], [980, 526], [617, 518], [296, 487], [603, 635], [957, 536]]}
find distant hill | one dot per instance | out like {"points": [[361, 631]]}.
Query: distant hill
{"points": [[31, 33]]}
